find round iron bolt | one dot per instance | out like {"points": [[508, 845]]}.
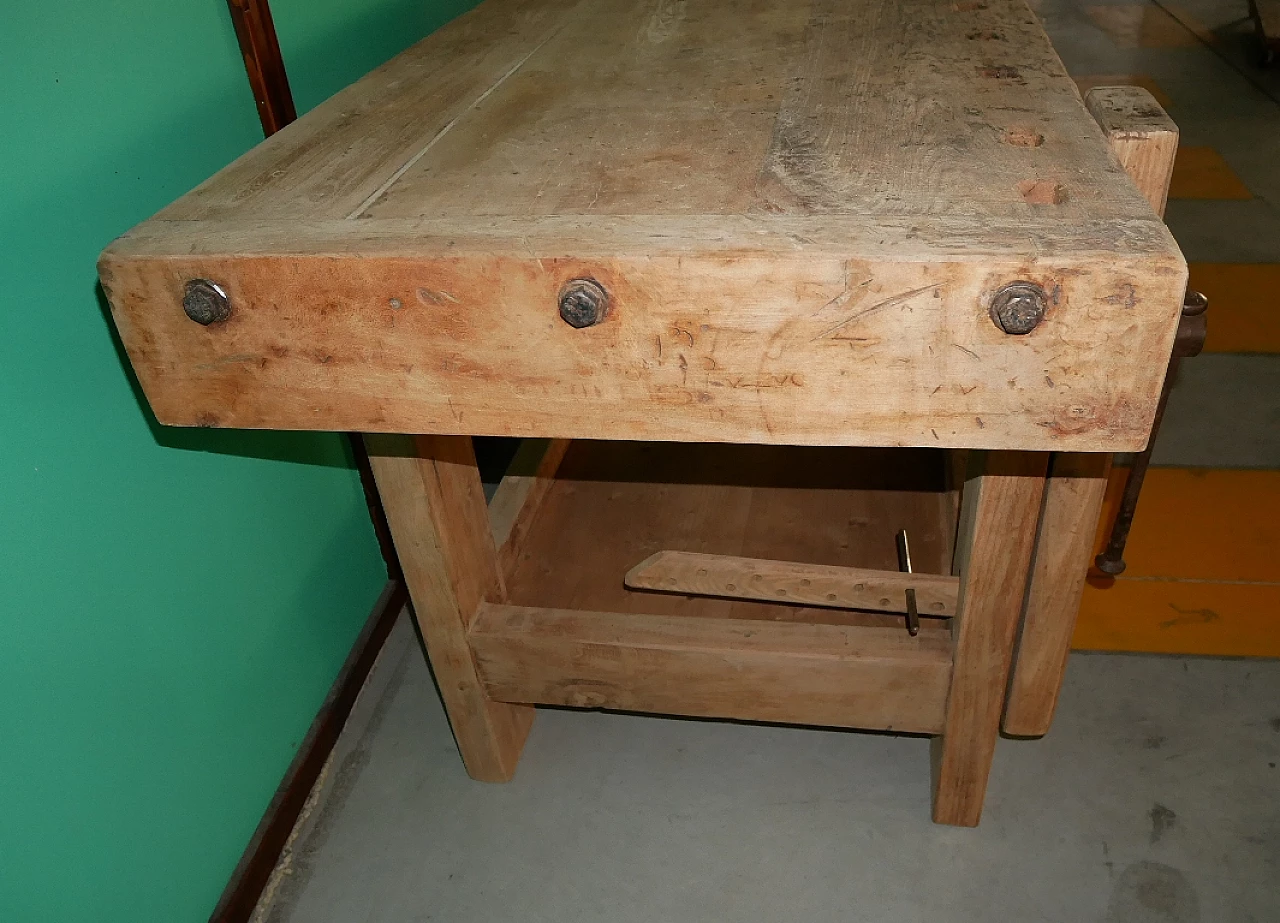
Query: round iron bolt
{"points": [[583, 303], [1018, 307], [205, 302]]}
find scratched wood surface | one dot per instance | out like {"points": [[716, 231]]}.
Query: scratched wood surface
{"points": [[800, 210]]}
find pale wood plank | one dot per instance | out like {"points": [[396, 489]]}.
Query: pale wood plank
{"points": [[435, 504], [734, 577], [520, 495], [878, 678], [997, 531], [1145, 141], [781, 348], [341, 154], [613, 107]]}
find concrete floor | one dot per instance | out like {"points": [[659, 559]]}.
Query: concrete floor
{"points": [[1155, 797]]}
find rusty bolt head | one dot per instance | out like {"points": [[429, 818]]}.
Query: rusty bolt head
{"points": [[583, 303], [205, 302], [1018, 307]]}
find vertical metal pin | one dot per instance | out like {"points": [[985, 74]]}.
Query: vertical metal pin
{"points": [[904, 564]]}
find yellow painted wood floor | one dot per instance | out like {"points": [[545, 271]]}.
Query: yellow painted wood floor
{"points": [[1204, 554], [1203, 572]]}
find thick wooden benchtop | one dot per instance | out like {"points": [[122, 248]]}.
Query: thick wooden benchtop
{"points": [[800, 211]]}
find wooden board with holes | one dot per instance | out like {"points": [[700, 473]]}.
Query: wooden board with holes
{"points": [[800, 213]]}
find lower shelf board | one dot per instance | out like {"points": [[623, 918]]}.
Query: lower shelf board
{"points": [[613, 504], [792, 672]]}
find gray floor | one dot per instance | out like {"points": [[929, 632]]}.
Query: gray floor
{"points": [[1227, 404], [1154, 798]]}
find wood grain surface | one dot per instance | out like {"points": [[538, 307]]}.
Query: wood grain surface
{"points": [[736, 577], [800, 211], [435, 503], [1074, 491], [1141, 135], [836, 675], [1001, 503]]}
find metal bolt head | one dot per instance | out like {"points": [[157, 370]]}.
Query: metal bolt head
{"points": [[1112, 567], [1019, 307], [583, 303], [205, 302]]}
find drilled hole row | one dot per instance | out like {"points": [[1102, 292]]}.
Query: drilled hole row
{"points": [[804, 582]]}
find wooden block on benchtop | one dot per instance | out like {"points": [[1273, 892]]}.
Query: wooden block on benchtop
{"points": [[1141, 135], [1088, 81]]}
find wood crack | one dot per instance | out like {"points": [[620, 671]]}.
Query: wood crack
{"points": [[408, 164]]}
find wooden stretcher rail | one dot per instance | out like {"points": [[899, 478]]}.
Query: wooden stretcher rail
{"points": [[841, 676], [734, 577]]}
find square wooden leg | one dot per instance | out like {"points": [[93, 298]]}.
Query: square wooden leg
{"points": [[1073, 499], [999, 509], [435, 504]]}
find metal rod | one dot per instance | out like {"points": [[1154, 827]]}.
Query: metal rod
{"points": [[904, 564], [1187, 344]]}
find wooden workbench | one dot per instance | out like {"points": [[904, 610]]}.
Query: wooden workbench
{"points": [[873, 223]]}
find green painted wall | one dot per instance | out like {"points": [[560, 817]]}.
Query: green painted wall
{"points": [[173, 604]]}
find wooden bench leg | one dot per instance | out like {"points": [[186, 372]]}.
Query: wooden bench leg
{"points": [[999, 509], [435, 505], [1072, 504], [1145, 142]]}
